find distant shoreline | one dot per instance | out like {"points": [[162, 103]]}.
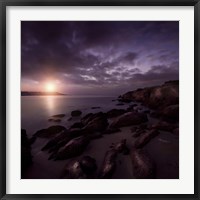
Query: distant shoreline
{"points": [[25, 93]]}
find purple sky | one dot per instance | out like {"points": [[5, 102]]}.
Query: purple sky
{"points": [[105, 58]]}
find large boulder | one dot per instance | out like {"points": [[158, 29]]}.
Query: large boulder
{"points": [[76, 113], [115, 113], [143, 167], [74, 147], [156, 97], [109, 164], [171, 113], [95, 122], [49, 132], [145, 138], [128, 119], [55, 140], [81, 168], [164, 126]]}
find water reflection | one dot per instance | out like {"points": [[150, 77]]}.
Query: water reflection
{"points": [[50, 104]]}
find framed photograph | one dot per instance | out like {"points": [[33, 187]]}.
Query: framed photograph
{"points": [[99, 99]]}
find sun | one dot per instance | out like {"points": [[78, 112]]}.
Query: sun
{"points": [[50, 87]]}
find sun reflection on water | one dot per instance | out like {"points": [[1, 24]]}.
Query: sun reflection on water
{"points": [[50, 104]]}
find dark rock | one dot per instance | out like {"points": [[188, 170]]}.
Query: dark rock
{"points": [[126, 151], [143, 166], [76, 113], [57, 120], [109, 164], [114, 100], [138, 132], [54, 141], [80, 169], [121, 147], [164, 126], [59, 116], [145, 138], [120, 104], [26, 156], [170, 113], [115, 113], [88, 164], [95, 107], [124, 100], [32, 140], [49, 132], [155, 114], [131, 108], [176, 131], [77, 125], [128, 119], [73, 148], [97, 122], [156, 97], [73, 170], [69, 119], [147, 111]]}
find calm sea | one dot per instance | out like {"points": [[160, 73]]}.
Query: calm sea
{"points": [[36, 110]]}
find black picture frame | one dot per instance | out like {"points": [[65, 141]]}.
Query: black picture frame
{"points": [[5, 3]]}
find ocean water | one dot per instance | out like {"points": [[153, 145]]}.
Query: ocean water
{"points": [[36, 110]]}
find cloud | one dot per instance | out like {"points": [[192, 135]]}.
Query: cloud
{"points": [[99, 54]]}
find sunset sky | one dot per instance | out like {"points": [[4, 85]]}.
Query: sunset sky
{"points": [[104, 58]]}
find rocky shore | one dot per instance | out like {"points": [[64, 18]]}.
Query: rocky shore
{"points": [[69, 143]]}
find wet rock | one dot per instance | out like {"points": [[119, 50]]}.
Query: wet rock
{"points": [[80, 169], [143, 166], [128, 119], [109, 164], [73, 170], [163, 126], [49, 132], [73, 148], [88, 164], [76, 113], [170, 113], [54, 141], [26, 156], [59, 116], [54, 120], [96, 123], [121, 147], [139, 132], [77, 125], [115, 113], [145, 138]]}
